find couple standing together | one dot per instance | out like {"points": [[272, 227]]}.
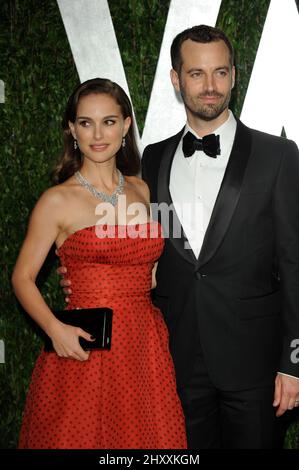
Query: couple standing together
{"points": [[229, 295]]}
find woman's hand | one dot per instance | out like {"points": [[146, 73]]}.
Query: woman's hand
{"points": [[65, 339]]}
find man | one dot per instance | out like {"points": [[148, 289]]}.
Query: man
{"points": [[229, 286], [231, 302]]}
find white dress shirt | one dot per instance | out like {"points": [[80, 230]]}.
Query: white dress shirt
{"points": [[195, 183]]}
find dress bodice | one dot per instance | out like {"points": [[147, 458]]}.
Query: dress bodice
{"points": [[108, 261]]}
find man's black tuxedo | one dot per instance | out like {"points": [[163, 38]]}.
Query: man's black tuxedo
{"points": [[240, 298]]}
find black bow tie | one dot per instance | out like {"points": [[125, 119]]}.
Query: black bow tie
{"points": [[209, 144]]}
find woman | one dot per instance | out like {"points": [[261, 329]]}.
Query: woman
{"points": [[119, 398]]}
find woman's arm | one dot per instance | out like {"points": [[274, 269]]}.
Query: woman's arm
{"points": [[42, 232]]}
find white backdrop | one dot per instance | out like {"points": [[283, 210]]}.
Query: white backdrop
{"points": [[272, 101]]}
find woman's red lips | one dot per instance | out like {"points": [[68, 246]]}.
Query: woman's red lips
{"points": [[99, 147]]}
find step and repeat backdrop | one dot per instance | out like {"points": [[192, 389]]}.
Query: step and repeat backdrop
{"points": [[47, 47]]}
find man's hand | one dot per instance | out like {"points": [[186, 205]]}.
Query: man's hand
{"points": [[286, 395], [65, 283]]}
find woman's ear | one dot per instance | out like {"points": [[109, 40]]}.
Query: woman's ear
{"points": [[127, 124], [72, 129]]}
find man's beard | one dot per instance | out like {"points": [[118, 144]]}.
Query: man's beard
{"points": [[206, 112]]}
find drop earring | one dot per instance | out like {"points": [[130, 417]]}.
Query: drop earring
{"points": [[123, 142], [75, 144]]}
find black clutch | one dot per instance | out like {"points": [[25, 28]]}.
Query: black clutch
{"points": [[95, 321]]}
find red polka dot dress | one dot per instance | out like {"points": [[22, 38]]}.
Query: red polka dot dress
{"points": [[124, 398]]}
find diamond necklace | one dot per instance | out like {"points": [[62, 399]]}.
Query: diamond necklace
{"points": [[99, 194]]}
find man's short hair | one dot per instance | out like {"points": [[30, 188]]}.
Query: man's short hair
{"points": [[203, 34]]}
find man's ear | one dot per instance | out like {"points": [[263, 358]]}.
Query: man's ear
{"points": [[72, 129], [233, 77], [175, 80]]}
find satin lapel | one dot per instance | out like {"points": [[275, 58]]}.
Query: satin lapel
{"points": [[174, 225], [228, 195]]}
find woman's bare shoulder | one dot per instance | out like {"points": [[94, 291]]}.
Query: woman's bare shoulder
{"points": [[54, 195], [139, 185], [59, 192], [55, 198]]}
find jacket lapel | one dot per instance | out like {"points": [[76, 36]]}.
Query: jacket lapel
{"points": [[172, 230], [228, 195]]}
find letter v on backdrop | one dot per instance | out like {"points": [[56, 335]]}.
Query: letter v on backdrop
{"points": [[271, 101]]}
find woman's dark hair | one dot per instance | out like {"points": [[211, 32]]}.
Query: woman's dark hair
{"points": [[203, 34], [127, 158]]}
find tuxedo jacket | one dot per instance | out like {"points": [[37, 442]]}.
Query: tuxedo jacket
{"points": [[239, 300]]}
